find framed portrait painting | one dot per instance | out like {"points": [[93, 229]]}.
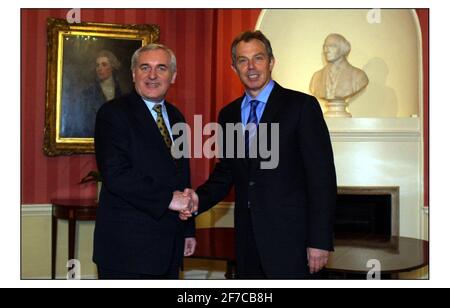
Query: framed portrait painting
{"points": [[88, 64]]}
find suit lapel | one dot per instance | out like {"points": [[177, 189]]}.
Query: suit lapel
{"points": [[149, 128], [236, 111], [174, 118], [273, 104], [236, 118], [143, 115]]}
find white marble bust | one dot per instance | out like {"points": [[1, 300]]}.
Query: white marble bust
{"points": [[338, 80]]}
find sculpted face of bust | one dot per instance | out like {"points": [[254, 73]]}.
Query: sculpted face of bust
{"points": [[335, 48], [331, 49], [338, 79]]}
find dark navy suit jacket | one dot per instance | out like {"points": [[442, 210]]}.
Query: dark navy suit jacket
{"points": [[135, 232], [291, 206]]}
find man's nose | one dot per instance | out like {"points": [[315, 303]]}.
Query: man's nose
{"points": [[251, 64], [152, 74]]}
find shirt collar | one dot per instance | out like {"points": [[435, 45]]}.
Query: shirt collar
{"points": [[262, 97], [150, 104]]}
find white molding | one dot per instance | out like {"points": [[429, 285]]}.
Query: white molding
{"points": [[421, 106], [224, 205], [374, 124], [46, 209], [35, 210], [393, 136], [260, 19], [375, 129], [415, 17]]}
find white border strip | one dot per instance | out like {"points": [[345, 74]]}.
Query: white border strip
{"points": [[36, 210]]}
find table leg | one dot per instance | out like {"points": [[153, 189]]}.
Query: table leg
{"points": [[54, 238], [72, 226], [231, 269]]}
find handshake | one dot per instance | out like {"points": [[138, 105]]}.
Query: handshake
{"points": [[186, 203]]}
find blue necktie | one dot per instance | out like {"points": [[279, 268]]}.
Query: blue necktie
{"points": [[251, 131]]}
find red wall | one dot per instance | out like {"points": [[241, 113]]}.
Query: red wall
{"points": [[201, 40]]}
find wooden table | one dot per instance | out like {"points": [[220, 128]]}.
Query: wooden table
{"points": [[71, 210], [396, 255]]}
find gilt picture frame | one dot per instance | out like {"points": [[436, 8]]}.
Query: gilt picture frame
{"points": [[88, 64]]}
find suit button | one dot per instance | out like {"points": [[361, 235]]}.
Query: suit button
{"points": [[251, 183], [248, 204]]}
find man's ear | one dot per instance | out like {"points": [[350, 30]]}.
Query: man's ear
{"points": [[174, 76], [234, 69], [132, 73]]}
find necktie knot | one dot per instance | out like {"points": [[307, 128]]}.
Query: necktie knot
{"points": [[158, 109], [254, 104]]}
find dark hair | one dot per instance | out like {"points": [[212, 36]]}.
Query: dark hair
{"points": [[247, 36]]}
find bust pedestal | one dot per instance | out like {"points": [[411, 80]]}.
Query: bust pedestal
{"points": [[337, 109]]}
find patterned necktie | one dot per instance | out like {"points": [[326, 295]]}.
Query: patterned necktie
{"points": [[162, 126], [251, 130]]}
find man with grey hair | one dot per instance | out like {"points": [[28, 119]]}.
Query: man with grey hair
{"points": [[338, 79], [138, 234]]}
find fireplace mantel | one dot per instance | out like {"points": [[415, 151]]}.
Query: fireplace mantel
{"points": [[374, 124]]}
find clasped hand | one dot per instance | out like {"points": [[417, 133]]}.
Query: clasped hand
{"points": [[186, 203]]}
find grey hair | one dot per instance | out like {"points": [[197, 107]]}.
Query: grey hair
{"points": [[343, 43], [111, 58], [153, 46]]}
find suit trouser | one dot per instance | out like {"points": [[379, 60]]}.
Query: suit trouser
{"points": [[172, 272], [250, 266], [107, 274]]}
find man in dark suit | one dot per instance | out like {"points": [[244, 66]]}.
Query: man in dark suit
{"points": [[138, 234], [283, 215]]}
